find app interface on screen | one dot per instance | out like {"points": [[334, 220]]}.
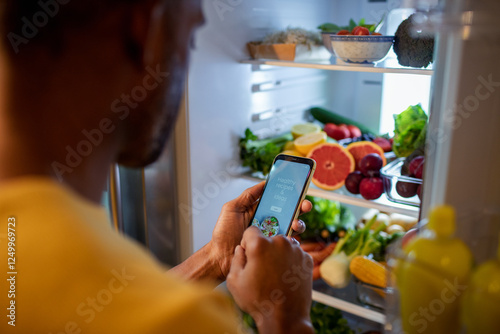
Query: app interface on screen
{"points": [[283, 190]]}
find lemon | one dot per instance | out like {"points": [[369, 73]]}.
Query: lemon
{"points": [[289, 146], [306, 143], [302, 129], [292, 152]]}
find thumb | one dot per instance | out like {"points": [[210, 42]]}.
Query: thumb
{"points": [[239, 261]]}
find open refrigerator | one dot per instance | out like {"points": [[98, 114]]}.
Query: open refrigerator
{"points": [[173, 205]]}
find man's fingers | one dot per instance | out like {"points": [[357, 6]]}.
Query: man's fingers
{"points": [[249, 236], [305, 206], [298, 227], [254, 242], [239, 260]]}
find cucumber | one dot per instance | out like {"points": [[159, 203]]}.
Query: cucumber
{"points": [[325, 116]]}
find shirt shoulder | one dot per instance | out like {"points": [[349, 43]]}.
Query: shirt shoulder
{"points": [[74, 271]]}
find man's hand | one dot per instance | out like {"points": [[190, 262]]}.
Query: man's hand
{"points": [[271, 279], [212, 262], [232, 223]]}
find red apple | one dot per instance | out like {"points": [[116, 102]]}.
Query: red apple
{"points": [[336, 132], [385, 144], [354, 131], [371, 188]]}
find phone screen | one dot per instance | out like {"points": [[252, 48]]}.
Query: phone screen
{"points": [[285, 187]]}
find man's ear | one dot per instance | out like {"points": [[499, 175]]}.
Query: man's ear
{"points": [[144, 32]]}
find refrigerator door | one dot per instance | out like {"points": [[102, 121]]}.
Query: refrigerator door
{"points": [[463, 144], [143, 205]]}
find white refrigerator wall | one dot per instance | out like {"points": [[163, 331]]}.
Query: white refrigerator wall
{"points": [[224, 96]]}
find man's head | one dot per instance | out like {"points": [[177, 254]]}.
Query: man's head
{"points": [[75, 66]]}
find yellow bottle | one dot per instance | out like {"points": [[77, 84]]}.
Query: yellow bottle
{"points": [[481, 302], [433, 277]]}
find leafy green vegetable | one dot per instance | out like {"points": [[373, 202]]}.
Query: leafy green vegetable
{"points": [[259, 154], [410, 130], [326, 215], [365, 241], [362, 241], [333, 28], [329, 27], [352, 24], [385, 240], [328, 320]]}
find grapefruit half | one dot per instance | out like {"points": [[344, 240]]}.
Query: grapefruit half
{"points": [[333, 164], [359, 149]]}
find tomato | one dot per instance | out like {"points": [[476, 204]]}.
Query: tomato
{"points": [[360, 31], [376, 34], [343, 32]]}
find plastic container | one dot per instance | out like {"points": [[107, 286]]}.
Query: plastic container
{"points": [[370, 295], [391, 175], [481, 302], [431, 277]]}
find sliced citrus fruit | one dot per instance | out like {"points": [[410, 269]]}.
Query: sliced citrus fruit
{"points": [[306, 143], [292, 152], [361, 148], [333, 164], [289, 146], [302, 129]]}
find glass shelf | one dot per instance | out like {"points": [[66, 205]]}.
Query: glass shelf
{"points": [[345, 300], [381, 204], [334, 65]]}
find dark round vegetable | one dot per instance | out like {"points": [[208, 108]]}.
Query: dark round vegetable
{"points": [[413, 48]]}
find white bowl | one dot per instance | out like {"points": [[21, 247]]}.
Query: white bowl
{"points": [[361, 49]]}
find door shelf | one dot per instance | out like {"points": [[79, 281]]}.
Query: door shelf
{"points": [[381, 204], [344, 300], [327, 65]]}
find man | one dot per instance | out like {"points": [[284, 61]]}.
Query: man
{"points": [[62, 64]]}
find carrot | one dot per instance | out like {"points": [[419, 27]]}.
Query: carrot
{"points": [[320, 256], [316, 273], [312, 246]]}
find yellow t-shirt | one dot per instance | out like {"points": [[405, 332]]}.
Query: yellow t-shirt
{"points": [[74, 274]]}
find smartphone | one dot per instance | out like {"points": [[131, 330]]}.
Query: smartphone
{"points": [[285, 189]]}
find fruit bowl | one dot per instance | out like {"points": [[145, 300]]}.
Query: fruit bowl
{"points": [[400, 188], [361, 49]]}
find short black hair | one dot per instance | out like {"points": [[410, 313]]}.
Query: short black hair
{"points": [[29, 23]]}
